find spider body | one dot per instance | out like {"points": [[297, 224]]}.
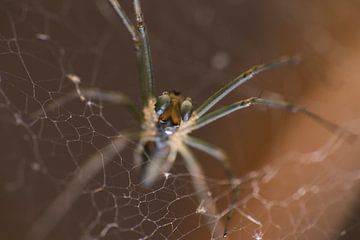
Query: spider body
{"points": [[163, 119]]}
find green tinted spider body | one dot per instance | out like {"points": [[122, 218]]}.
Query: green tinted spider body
{"points": [[163, 118]]}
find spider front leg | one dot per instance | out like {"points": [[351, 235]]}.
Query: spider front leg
{"points": [[218, 154], [144, 54], [88, 94], [224, 111], [140, 38], [239, 80]]}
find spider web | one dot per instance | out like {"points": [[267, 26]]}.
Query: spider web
{"points": [[68, 158]]}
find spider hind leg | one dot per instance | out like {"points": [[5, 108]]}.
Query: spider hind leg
{"points": [[153, 160]]}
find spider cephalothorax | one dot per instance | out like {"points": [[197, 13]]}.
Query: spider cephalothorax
{"points": [[172, 109]]}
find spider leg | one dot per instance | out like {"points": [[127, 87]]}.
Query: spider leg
{"points": [[153, 161], [161, 162], [207, 203], [218, 154], [142, 47], [128, 24], [73, 190], [239, 80], [144, 56], [224, 111], [90, 93]]}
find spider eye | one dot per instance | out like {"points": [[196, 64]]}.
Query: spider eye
{"points": [[162, 103], [186, 109]]}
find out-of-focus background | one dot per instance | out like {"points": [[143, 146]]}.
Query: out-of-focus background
{"points": [[297, 181]]}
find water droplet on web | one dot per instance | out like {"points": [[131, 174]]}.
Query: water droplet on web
{"points": [[201, 209], [315, 189], [258, 236], [220, 60], [74, 78], [299, 193], [42, 36], [35, 166]]}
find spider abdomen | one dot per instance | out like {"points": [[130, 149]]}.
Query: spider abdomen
{"points": [[154, 155]]}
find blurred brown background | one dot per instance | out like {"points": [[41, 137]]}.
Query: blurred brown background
{"points": [[197, 46]]}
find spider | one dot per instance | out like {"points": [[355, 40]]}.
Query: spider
{"points": [[166, 122]]}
